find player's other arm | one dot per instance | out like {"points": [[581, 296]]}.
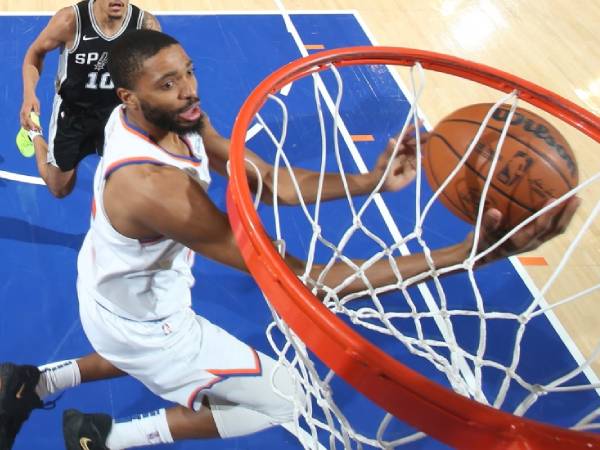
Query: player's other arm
{"points": [[530, 237], [59, 32], [150, 22], [400, 173]]}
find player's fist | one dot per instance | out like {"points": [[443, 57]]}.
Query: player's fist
{"points": [[30, 104]]}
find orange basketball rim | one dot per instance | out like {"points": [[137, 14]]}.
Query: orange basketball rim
{"points": [[409, 396]]}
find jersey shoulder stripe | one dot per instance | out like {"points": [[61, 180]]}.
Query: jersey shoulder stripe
{"points": [[77, 36], [138, 132], [128, 162]]}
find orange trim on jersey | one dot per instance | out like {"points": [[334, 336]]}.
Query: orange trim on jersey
{"points": [[222, 374], [195, 393], [254, 371], [94, 207], [132, 130], [135, 160]]}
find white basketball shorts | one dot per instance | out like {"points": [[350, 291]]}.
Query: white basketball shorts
{"points": [[176, 358]]}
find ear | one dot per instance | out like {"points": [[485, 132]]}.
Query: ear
{"points": [[127, 97]]}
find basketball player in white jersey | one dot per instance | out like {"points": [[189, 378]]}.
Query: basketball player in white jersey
{"points": [[151, 212], [85, 94]]}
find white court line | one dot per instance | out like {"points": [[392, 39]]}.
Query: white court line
{"points": [[285, 91], [556, 324], [253, 131], [22, 178]]}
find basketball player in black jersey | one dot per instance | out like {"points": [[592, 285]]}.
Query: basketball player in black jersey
{"points": [[85, 94]]}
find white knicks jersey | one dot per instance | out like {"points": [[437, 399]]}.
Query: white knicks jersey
{"points": [[137, 280]]}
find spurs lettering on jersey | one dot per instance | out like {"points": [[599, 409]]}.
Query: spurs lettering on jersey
{"points": [[96, 61]]}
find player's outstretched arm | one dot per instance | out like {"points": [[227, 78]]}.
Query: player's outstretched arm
{"points": [[543, 229], [150, 22], [400, 173], [60, 31]]}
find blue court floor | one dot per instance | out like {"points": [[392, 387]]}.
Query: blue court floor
{"points": [[40, 236]]}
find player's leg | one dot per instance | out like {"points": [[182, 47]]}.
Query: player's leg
{"points": [[58, 376], [74, 135], [59, 179], [153, 428], [237, 406], [187, 360], [244, 405], [23, 388], [68, 137], [32, 143], [60, 183], [71, 136]]}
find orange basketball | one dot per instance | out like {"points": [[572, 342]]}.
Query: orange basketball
{"points": [[536, 163]]}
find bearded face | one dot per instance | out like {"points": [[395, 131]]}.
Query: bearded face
{"points": [[181, 121]]}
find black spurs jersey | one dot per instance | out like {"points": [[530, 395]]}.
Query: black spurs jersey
{"points": [[83, 79]]}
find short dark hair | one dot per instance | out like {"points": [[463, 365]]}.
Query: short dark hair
{"points": [[127, 56]]}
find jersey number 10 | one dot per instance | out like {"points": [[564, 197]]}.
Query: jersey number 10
{"points": [[104, 83]]}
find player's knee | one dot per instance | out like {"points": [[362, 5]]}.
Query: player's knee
{"points": [[60, 191], [287, 397], [60, 184], [282, 411]]}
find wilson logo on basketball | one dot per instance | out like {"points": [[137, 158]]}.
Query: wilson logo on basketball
{"points": [[540, 131]]}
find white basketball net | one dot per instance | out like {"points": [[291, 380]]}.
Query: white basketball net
{"points": [[323, 421]]}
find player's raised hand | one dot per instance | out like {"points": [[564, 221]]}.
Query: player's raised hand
{"points": [[549, 225], [402, 168], [30, 103]]}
